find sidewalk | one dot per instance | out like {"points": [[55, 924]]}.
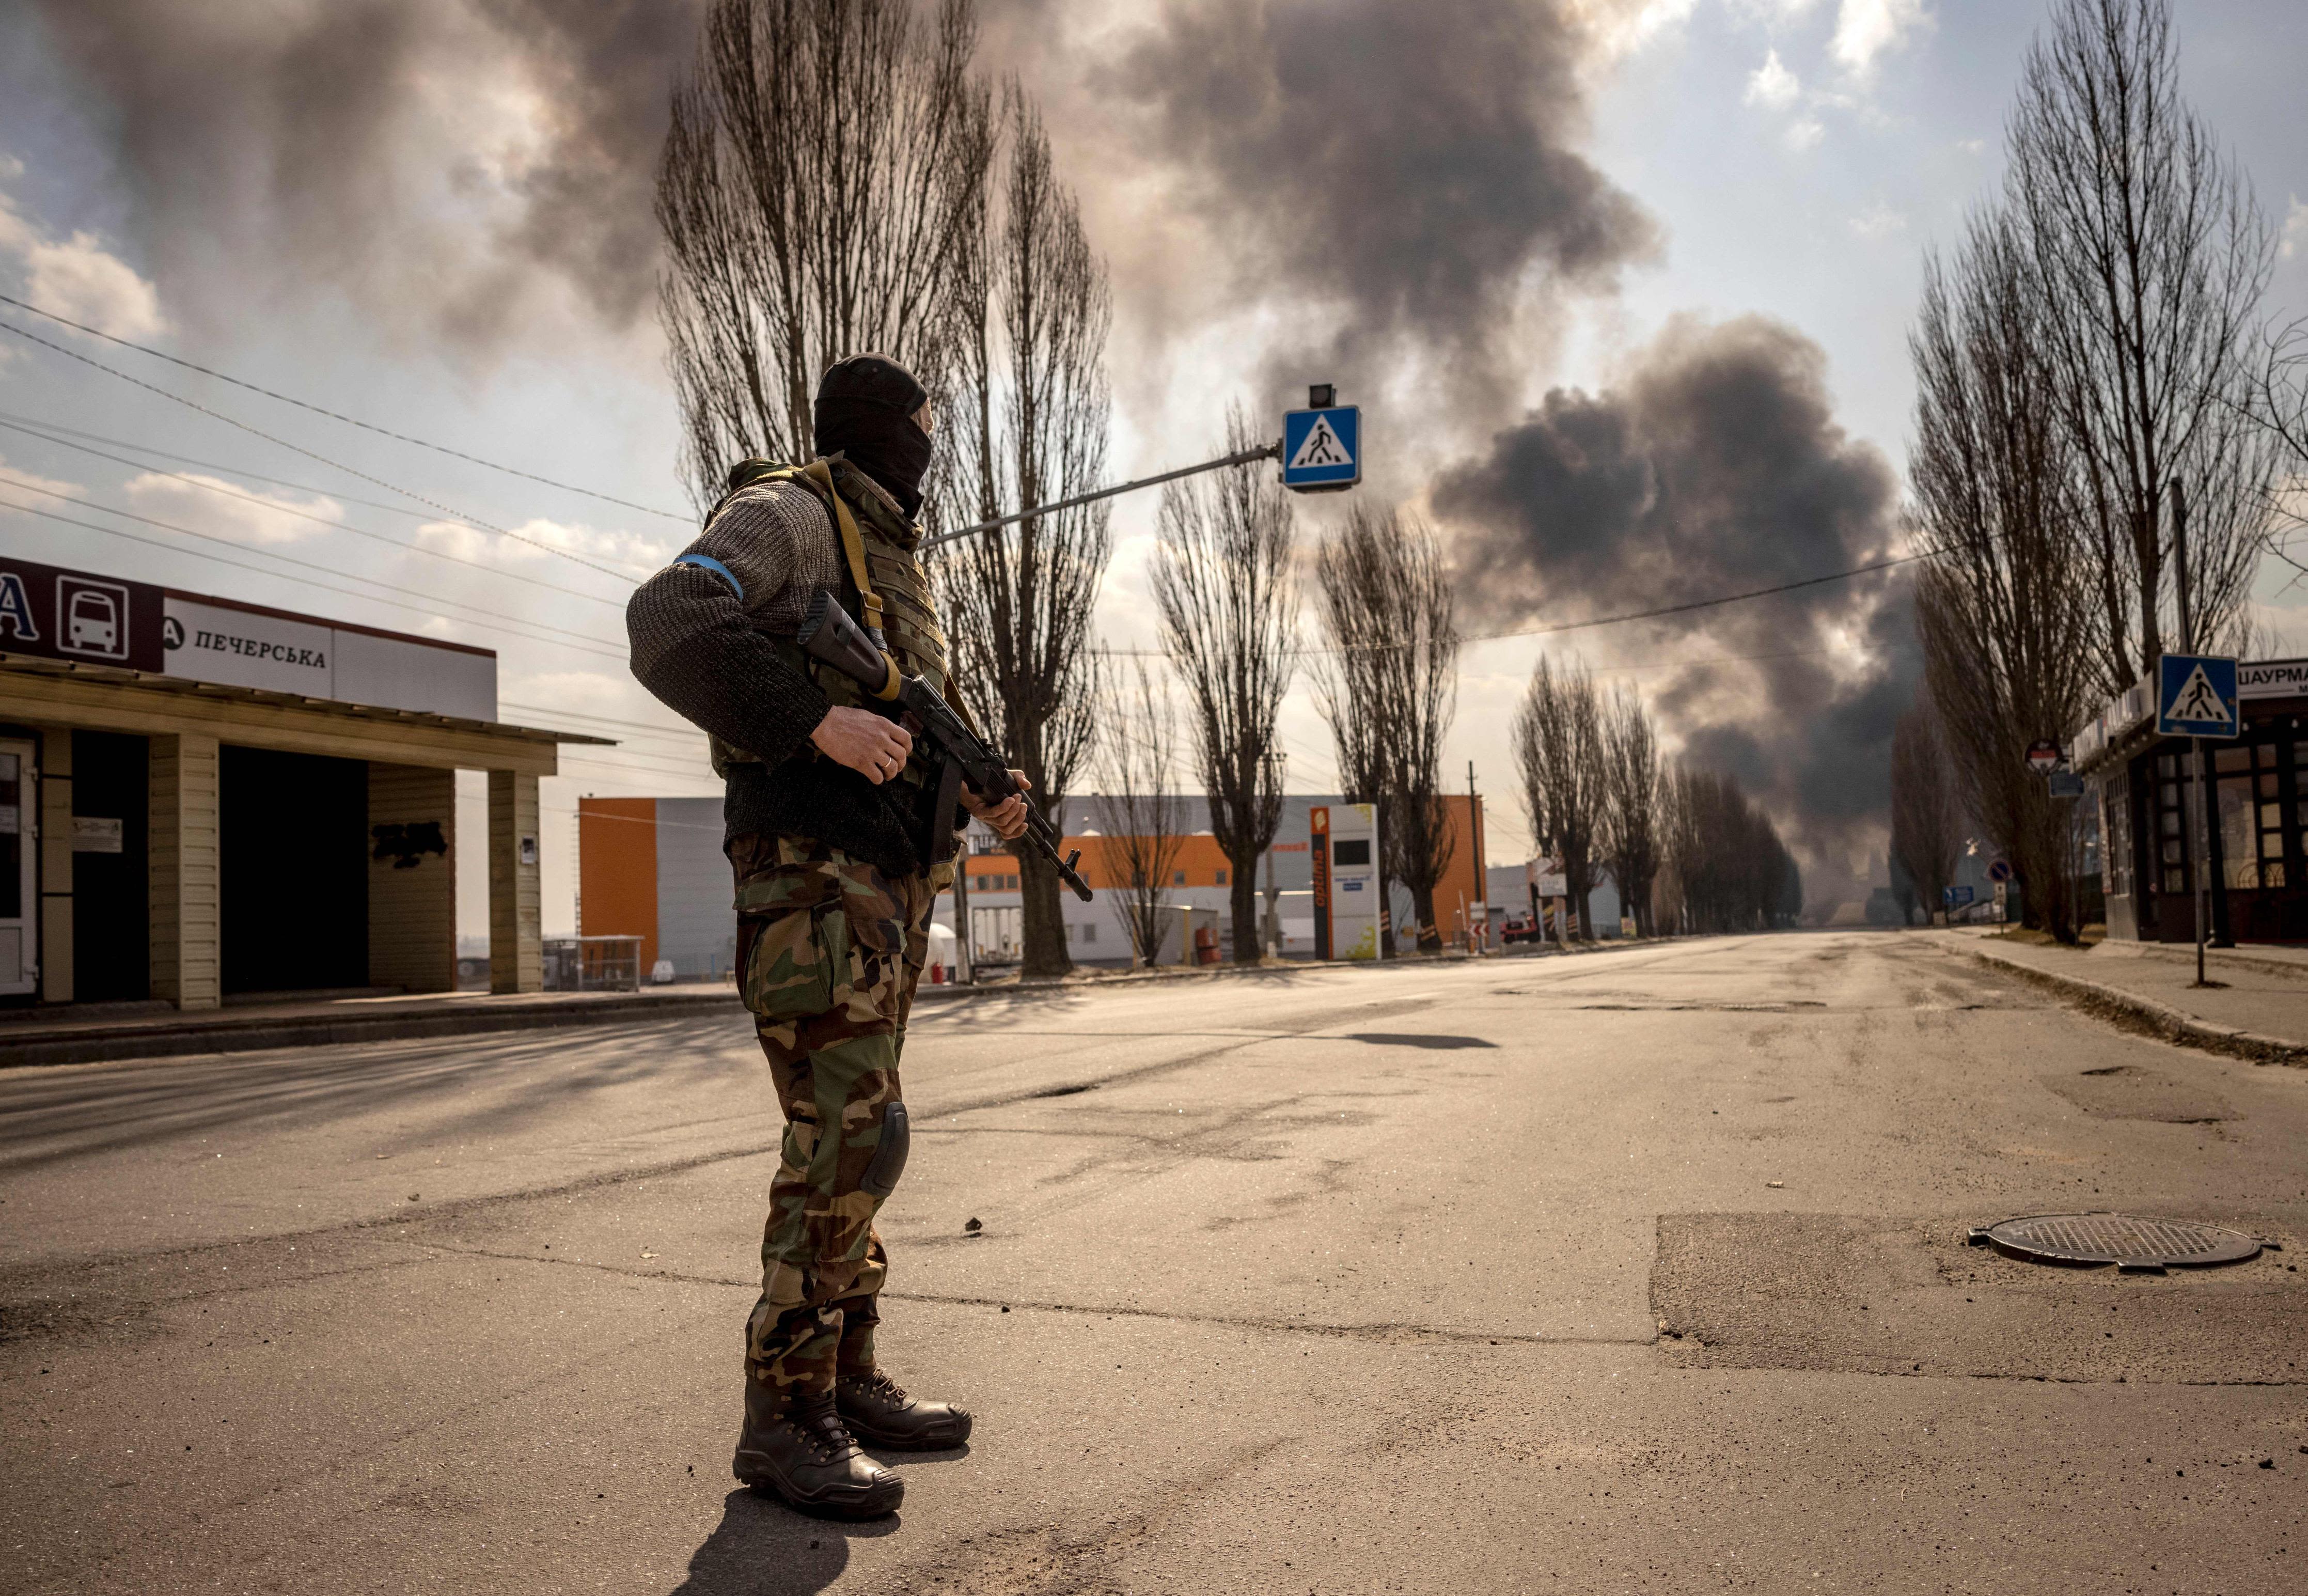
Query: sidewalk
{"points": [[2259, 1012], [153, 1030]]}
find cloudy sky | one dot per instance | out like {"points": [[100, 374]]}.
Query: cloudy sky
{"points": [[1559, 250]]}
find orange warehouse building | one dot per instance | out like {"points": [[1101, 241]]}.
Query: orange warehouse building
{"points": [[653, 868]]}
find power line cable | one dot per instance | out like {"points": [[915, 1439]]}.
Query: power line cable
{"points": [[650, 728], [40, 428], [290, 559], [662, 825], [454, 559], [643, 768], [1610, 620], [429, 614], [299, 449], [1666, 610], [336, 416]]}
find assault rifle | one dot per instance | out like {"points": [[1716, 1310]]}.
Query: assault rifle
{"points": [[830, 636]]}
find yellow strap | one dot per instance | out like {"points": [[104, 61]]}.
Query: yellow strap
{"points": [[852, 546]]}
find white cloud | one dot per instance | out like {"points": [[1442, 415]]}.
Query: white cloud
{"points": [[17, 478], [1972, 146], [77, 277], [1772, 84], [1879, 221], [614, 546], [1804, 134], [1619, 28], [263, 520], [1867, 29], [2295, 228]]}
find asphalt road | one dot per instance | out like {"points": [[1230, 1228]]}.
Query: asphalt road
{"points": [[1633, 1271]]}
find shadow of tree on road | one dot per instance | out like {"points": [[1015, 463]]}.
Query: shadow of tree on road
{"points": [[468, 1086]]}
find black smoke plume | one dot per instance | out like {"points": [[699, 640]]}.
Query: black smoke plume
{"points": [[274, 150], [1396, 174], [1716, 467]]}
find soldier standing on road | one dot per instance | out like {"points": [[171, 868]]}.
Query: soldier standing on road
{"points": [[840, 832]]}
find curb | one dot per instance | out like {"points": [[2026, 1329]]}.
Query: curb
{"points": [[318, 1031], [2135, 1013]]}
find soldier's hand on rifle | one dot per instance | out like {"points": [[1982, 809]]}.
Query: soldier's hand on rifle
{"points": [[1008, 817], [869, 744]]}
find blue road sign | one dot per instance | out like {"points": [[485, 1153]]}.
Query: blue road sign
{"points": [[1999, 871], [2067, 784], [1322, 450], [1955, 897], [2196, 696]]}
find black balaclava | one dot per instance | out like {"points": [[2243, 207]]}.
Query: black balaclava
{"points": [[866, 408]]}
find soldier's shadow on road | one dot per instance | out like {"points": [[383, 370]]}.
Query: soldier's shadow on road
{"points": [[763, 1548]]}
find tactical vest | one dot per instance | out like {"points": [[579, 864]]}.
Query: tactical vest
{"points": [[883, 586]]}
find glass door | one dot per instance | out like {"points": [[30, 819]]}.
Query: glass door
{"points": [[19, 940]]}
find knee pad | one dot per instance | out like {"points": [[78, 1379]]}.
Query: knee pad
{"points": [[889, 1162]]}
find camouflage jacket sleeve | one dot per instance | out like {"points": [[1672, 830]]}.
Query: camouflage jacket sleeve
{"points": [[699, 628]]}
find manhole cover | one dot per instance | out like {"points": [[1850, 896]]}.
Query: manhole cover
{"points": [[2132, 1244]]}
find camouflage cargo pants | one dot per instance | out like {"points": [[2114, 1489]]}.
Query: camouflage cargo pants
{"points": [[829, 952]]}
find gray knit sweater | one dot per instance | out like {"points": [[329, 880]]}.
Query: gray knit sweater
{"points": [[700, 642]]}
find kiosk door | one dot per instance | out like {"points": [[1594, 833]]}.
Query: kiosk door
{"points": [[18, 889]]}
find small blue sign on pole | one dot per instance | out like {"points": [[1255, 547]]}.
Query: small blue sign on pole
{"points": [[1323, 449], [1955, 897], [2196, 696]]}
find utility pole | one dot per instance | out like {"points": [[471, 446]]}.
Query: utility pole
{"points": [[1482, 876], [2200, 836]]}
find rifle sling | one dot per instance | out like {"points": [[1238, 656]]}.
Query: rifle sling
{"points": [[853, 547]]}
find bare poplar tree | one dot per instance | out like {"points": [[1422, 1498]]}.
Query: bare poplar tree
{"points": [[1558, 740], [1926, 819], [1679, 872], [1027, 418], [2280, 405], [1223, 586], [1144, 815], [2150, 257], [1388, 687], [823, 162], [1630, 831], [2000, 488]]}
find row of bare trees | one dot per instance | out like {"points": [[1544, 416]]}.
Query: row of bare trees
{"points": [[2084, 357], [1724, 869], [1927, 811], [1226, 591], [1595, 787]]}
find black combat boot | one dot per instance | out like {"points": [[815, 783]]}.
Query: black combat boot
{"points": [[878, 1410], [805, 1455]]}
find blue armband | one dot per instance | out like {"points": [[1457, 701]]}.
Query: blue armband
{"points": [[706, 562]]}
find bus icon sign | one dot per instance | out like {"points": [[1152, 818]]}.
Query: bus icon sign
{"points": [[92, 618]]}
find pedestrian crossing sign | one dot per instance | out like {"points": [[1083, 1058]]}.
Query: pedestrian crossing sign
{"points": [[1321, 449], [2196, 696]]}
